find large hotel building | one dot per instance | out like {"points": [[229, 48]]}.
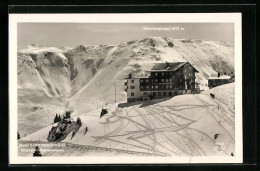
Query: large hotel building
{"points": [[163, 80]]}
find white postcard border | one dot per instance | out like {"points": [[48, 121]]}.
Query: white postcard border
{"points": [[14, 19]]}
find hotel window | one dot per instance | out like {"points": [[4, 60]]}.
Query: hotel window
{"points": [[170, 86], [185, 70], [132, 87], [170, 80], [155, 80], [146, 80], [156, 86], [154, 93], [132, 81], [170, 73], [167, 86], [162, 80], [152, 87], [132, 94], [180, 80], [166, 80], [156, 74], [162, 74], [184, 76], [141, 81], [146, 86], [164, 93], [159, 93], [141, 87], [145, 93]]}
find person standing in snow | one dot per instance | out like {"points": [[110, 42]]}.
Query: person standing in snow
{"points": [[73, 134], [86, 130]]}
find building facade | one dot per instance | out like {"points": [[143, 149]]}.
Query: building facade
{"points": [[218, 79], [163, 80]]}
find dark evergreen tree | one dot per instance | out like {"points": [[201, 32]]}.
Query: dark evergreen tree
{"points": [[56, 119], [67, 114], [59, 118], [79, 121]]}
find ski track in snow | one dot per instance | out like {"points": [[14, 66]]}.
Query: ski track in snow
{"points": [[160, 129]]}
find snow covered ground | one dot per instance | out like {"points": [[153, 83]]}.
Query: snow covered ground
{"points": [[184, 125]]}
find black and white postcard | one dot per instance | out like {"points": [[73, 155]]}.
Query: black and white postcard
{"points": [[125, 88]]}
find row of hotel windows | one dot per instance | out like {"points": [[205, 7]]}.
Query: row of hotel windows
{"points": [[167, 73], [154, 93], [156, 80], [156, 87], [161, 73], [161, 80]]}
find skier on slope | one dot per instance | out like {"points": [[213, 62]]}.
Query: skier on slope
{"points": [[86, 130]]}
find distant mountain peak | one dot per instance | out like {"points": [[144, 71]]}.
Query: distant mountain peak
{"points": [[80, 48], [35, 45]]}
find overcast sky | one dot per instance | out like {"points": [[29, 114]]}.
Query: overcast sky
{"points": [[74, 34]]}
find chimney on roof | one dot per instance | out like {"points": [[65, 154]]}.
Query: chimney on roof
{"points": [[167, 64], [218, 74], [130, 76]]}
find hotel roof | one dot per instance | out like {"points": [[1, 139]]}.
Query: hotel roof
{"points": [[222, 77], [169, 66], [166, 66]]}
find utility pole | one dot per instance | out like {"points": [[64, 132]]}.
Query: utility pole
{"points": [[115, 91], [104, 129]]}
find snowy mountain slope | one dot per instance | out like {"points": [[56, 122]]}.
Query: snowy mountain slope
{"points": [[47, 77], [137, 56], [62, 72], [162, 127], [86, 77]]}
